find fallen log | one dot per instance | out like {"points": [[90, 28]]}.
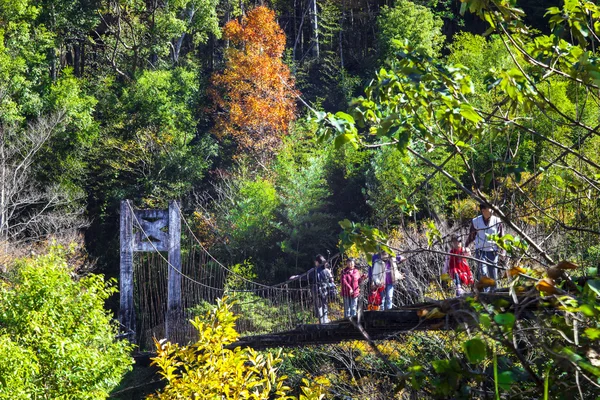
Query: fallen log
{"points": [[451, 314]]}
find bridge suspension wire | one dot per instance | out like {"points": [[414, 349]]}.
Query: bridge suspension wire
{"points": [[260, 308], [199, 243], [205, 251]]}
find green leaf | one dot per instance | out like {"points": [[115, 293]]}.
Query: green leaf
{"points": [[587, 310], [441, 366], [595, 75], [506, 379], [552, 11], [592, 333], [464, 145], [341, 140], [320, 115], [487, 179], [488, 31], [346, 224], [467, 111], [488, 17], [344, 116], [485, 320], [506, 319], [403, 141], [475, 350], [593, 286]]}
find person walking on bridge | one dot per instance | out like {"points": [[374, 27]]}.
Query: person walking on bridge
{"points": [[386, 273], [457, 267], [322, 280], [486, 250], [351, 279]]}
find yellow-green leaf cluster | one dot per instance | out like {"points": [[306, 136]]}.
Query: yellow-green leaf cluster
{"points": [[210, 369]]}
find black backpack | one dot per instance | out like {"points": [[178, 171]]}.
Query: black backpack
{"points": [[327, 288]]}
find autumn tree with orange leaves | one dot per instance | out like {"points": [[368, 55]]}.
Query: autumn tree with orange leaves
{"points": [[254, 95]]}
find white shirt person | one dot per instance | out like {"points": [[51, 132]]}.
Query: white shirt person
{"points": [[486, 250]]}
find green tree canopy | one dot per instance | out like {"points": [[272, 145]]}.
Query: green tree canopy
{"points": [[412, 23]]}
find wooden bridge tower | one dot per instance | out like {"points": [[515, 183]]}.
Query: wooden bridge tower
{"points": [[150, 231]]}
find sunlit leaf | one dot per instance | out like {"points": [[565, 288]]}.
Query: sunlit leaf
{"points": [[507, 319]]}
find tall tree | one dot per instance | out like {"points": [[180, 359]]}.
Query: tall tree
{"points": [[315, 22], [46, 127], [409, 22], [29, 208], [255, 93]]}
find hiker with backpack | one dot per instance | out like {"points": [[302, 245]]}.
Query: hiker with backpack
{"points": [[385, 273], [323, 285]]}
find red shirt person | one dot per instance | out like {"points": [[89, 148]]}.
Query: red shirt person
{"points": [[457, 266], [351, 279], [375, 298]]}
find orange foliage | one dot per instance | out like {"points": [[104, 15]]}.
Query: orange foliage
{"points": [[255, 93]]}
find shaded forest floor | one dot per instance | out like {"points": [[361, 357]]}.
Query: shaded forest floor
{"points": [[141, 381]]}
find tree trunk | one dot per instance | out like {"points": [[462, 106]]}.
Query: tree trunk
{"points": [[300, 35], [177, 48], [315, 30], [341, 37], [3, 221], [82, 57], [295, 28], [52, 51], [76, 59]]}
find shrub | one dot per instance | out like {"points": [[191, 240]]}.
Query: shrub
{"points": [[210, 368], [56, 339]]}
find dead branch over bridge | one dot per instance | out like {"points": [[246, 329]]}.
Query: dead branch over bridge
{"points": [[451, 314]]}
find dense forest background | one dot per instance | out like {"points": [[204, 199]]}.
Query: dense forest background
{"points": [[291, 128], [104, 101]]}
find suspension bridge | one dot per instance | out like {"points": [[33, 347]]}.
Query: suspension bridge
{"points": [[160, 293]]}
